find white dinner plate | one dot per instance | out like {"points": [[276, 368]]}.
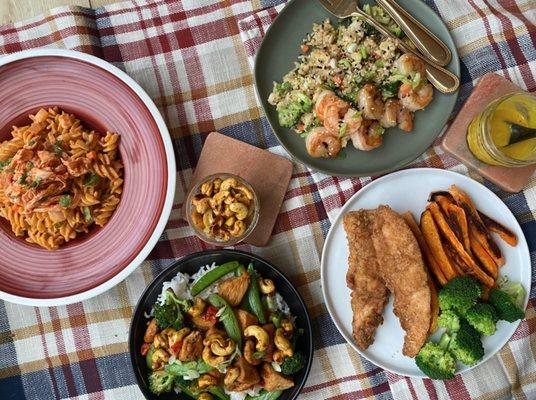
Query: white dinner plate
{"points": [[403, 191]]}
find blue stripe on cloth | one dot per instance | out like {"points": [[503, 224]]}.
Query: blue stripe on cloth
{"points": [[256, 132], [8, 353], [529, 229], [11, 388], [38, 386], [326, 333], [115, 371]]}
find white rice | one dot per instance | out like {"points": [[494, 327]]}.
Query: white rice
{"points": [[253, 392], [179, 284]]}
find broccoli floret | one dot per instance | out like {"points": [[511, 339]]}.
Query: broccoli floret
{"points": [[160, 382], [459, 294], [448, 319], [506, 306], [435, 361], [289, 113], [466, 345], [293, 364], [171, 313], [282, 88], [483, 318]]}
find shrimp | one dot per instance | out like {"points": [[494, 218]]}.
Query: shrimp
{"points": [[405, 119], [321, 142], [408, 64], [370, 102], [366, 137], [329, 109], [417, 98], [389, 117]]}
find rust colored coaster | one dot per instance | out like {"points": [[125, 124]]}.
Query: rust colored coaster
{"points": [[268, 174], [489, 88]]}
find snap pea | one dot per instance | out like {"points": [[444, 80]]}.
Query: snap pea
{"points": [[254, 296], [218, 392], [228, 318], [240, 270], [264, 395], [275, 318], [269, 303], [212, 276], [149, 356]]}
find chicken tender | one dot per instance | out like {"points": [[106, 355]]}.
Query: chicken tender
{"points": [[369, 293], [403, 270]]}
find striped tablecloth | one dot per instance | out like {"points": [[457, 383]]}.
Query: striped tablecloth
{"points": [[190, 57]]}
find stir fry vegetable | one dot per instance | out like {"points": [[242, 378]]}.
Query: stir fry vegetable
{"points": [[228, 318], [212, 276], [254, 297]]}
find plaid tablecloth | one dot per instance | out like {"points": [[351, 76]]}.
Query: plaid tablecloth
{"points": [[190, 57]]}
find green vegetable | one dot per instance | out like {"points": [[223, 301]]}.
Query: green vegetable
{"points": [[160, 382], [289, 113], [390, 89], [87, 214], [58, 150], [378, 130], [189, 388], [435, 361], [342, 130], [345, 63], [459, 294], [269, 303], [4, 163], [31, 142], [264, 395], [35, 184], [148, 357], [448, 319], [416, 80], [506, 305], [218, 392], [394, 28], [466, 345], [254, 296], [483, 318], [228, 318], [22, 179], [283, 88], [363, 51], [30, 165], [65, 201], [171, 313], [293, 364], [92, 180], [379, 64], [212, 276], [240, 270], [275, 318], [192, 369]]}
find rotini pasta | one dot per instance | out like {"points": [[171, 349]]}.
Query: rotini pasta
{"points": [[58, 178]]}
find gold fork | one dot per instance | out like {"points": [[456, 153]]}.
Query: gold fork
{"points": [[442, 79]]}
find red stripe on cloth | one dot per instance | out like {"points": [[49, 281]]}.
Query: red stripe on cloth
{"points": [[410, 387], [364, 393], [11, 28], [352, 378], [491, 40], [512, 7], [513, 44], [430, 388], [60, 343], [456, 387], [50, 368]]}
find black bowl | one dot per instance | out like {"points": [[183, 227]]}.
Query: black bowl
{"points": [[190, 265]]}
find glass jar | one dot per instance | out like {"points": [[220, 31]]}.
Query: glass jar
{"points": [[217, 216], [490, 136]]}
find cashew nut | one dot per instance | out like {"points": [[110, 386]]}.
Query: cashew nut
{"points": [[249, 350], [208, 219], [263, 339], [197, 219], [281, 342], [211, 338], [150, 332], [266, 285], [198, 308], [206, 381], [228, 183], [211, 359], [287, 326], [217, 184], [220, 196], [230, 221], [245, 191], [222, 347], [240, 209], [238, 229], [160, 341], [158, 359], [178, 336], [231, 376], [242, 198], [206, 188], [201, 205], [205, 396]]}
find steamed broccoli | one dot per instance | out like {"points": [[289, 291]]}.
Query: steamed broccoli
{"points": [[435, 361], [289, 112], [508, 300], [160, 382], [293, 364], [466, 345], [483, 318], [459, 294], [448, 319], [171, 313]]}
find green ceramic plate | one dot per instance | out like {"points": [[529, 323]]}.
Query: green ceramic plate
{"points": [[276, 57]]}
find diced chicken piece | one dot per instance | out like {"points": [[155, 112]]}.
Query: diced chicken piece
{"points": [[245, 319], [201, 323], [234, 289], [273, 380], [192, 347], [247, 378]]}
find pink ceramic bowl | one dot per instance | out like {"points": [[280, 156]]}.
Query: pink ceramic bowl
{"points": [[104, 98]]}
